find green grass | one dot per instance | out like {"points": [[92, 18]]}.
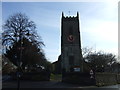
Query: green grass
{"points": [[55, 77]]}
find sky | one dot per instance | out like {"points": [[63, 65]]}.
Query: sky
{"points": [[98, 23]]}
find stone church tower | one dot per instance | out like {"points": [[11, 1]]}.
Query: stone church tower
{"points": [[71, 54]]}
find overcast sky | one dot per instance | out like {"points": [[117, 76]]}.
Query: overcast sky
{"points": [[98, 23]]}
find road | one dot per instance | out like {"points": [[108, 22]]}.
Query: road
{"points": [[112, 86], [48, 84], [42, 84]]}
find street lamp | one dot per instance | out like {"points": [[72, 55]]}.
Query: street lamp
{"points": [[19, 62]]}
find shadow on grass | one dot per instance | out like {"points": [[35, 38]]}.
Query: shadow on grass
{"points": [[55, 77]]}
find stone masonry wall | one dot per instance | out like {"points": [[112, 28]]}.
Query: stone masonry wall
{"points": [[103, 79]]}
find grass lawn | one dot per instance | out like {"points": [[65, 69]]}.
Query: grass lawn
{"points": [[55, 77]]}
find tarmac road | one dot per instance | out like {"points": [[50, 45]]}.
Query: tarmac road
{"points": [[42, 84], [48, 84]]}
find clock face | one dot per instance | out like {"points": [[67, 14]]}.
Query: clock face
{"points": [[70, 38]]}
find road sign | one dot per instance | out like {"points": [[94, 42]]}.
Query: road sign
{"points": [[77, 69], [91, 73]]}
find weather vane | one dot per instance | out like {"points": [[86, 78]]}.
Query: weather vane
{"points": [[69, 13]]}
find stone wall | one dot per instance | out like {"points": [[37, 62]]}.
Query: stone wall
{"points": [[103, 79], [100, 79], [78, 78], [118, 78]]}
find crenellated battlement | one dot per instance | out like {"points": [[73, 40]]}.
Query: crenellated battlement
{"points": [[70, 17]]}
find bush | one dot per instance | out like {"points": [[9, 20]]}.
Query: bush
{"points": [[36, 76], [78, 78], [39, 78]]}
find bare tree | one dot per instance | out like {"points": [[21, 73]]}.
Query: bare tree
{"points": [[18, 26], [86, 51], [99, 61], [20, 31]]}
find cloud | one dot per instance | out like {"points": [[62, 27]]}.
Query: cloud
{"points": [[100, 34], [102, 30], [107, 31]]}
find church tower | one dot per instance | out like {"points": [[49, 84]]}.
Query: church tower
{"points": [[71, 54]]}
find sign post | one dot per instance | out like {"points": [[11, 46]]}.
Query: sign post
{"points": [[91, 74], [19, 67]]}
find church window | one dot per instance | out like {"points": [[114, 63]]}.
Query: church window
{"points": [[71, 60]]}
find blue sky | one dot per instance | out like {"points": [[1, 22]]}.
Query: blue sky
{"points": [[98, 23]]}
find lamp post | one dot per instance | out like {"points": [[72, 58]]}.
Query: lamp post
{"points": [[19, 62]]}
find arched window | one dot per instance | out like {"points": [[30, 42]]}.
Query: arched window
{"points": [[71, 60]]}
